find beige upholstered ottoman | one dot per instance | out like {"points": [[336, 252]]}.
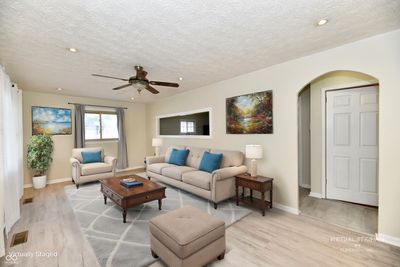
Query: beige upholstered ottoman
{"points": [[187, 237]]}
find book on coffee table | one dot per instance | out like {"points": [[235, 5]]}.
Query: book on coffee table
{"points": [[130, 184]]}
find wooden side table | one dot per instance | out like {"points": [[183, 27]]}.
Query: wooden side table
{"points": [[259, 183]]}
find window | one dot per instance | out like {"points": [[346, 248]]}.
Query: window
{"points": [[101, 126], [188, 127]]}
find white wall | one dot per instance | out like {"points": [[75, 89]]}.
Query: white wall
{"points": [[329, 81], [135, 118], [378, 56], [304, 138]]}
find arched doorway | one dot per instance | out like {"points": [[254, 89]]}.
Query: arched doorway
{"points": [[338, 150]]}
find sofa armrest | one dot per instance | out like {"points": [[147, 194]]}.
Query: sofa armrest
{"points": [[154, 159], [74, 162], [112, 161], [76, 169], [224, 173]]}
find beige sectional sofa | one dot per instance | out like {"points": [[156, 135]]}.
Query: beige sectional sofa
{"points": [[216, 186]]}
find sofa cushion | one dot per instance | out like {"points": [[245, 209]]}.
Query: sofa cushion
{"points": [[178, 157], [175, 172], [157, 167], [195, 156], [198, 178], [230, 158], [169, 151], [186, 230], [210, 162], [91, 157], [95, 168]]}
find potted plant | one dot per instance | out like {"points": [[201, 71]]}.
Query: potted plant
{"points": [[40, 149]]}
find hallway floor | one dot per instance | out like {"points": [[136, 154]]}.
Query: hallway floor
{"points": [[355, 217]]}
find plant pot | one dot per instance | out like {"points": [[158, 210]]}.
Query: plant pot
{"points": [[39, 181]]}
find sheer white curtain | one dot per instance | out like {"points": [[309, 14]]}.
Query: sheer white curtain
{"points": [[11, 155]]}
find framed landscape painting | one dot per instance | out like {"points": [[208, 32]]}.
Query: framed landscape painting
{"points": [[51, 121], [249, 114]]}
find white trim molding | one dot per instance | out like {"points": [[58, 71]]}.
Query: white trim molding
{"points": [[131, 168], [395, 241], [286, 208], [316, 195], [52, 181]]}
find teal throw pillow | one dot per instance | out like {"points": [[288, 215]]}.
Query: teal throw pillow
{"points": [[91, 156], [178, 157], [210, 162]]}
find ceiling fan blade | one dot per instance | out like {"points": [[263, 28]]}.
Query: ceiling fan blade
{"points": [[151, 89], [104, 76], [122, 86], [164, 84]]}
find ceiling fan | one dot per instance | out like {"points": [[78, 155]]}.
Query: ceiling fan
{"points": [[139, 82]]}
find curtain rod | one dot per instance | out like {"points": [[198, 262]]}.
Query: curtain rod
{"points": [[100, 106]]}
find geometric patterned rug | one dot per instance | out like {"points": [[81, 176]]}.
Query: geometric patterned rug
{"points": [[118, 244]]}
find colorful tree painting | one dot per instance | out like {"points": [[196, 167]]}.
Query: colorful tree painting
{"points": [[249, 114]]}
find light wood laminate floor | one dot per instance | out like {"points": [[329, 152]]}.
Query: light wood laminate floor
{"points": [[278, 239], [355, 217]]}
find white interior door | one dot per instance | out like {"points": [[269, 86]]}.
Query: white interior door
{"points": [[352, 145]]}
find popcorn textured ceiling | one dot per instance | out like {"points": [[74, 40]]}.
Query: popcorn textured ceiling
{"points": [[202, 41]]}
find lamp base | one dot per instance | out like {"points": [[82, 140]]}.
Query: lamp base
{"points": [[157, 151], [253, 168]]}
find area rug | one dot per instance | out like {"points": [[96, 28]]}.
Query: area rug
{"points": [[118, 244]]}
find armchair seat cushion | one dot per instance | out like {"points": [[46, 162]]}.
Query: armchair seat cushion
{"points": [[200, 179], [157, 167], [176, 172], [95, 168]]}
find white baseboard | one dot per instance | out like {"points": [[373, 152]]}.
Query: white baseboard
{"points": [[316, 195], [395, 241], [305, 186], [286, 208], [131, 168], [52, 181], [61, 180]]}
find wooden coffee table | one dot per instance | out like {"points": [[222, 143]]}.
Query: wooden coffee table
{"points": [[130, 197]]}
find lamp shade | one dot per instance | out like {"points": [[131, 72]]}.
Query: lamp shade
{"points": [[157, 142], [254, 151]]}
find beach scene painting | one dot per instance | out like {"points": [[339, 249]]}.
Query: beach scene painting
{"points": [[51, 121], [249, 114]]}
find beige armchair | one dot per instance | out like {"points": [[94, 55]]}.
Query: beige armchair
{"points": [[83, 173]]}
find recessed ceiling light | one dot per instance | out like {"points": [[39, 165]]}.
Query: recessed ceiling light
{"points": [[132, 98], [322, 22], [180, 78], [72, 50], [59, 89]]}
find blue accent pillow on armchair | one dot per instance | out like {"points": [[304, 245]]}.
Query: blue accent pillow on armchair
{"points": [[210, 162], [91, 156], [178, 157]]}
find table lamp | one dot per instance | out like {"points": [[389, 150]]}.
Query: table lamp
{"points": [[254, 152], [157, 143]]}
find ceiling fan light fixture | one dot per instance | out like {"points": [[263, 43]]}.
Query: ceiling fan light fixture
{"points": [[181, 78], [322, 22], [139, 85]]}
